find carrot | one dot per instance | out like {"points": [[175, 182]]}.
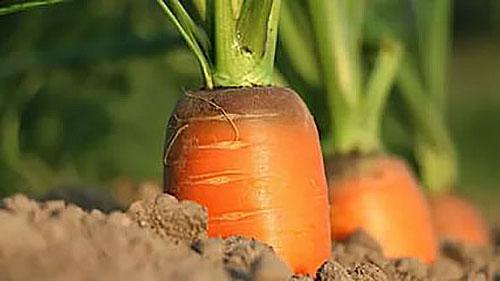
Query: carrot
{"points": [[422, 86], [379, 195], [457, 219], [368, 189], [248, 152]]}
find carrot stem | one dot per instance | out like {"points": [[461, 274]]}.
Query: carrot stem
{"points": [[422, 83], [356, 105], [233, 40], [177, 15], [13, 7], [296, 38], [379, 85], [433, 24], [434, 147]]}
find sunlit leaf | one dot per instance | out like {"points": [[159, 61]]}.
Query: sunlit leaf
{"points": [[9, 7]]}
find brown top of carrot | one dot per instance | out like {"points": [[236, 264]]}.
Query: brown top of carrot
{"points": [[237, 103]]}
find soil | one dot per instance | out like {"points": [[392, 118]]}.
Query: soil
{"points": [[161, 238]]}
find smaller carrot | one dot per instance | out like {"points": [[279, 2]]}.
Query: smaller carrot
{"points": [[380, 195], [458, 220]]}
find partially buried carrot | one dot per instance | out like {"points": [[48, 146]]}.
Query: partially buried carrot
{"points": [[248, 152], [369, 189], [379, 195], [458, 220]]}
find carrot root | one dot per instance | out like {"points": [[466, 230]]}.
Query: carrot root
{"points": [[252, 157], [379, 195], [457, 219]]}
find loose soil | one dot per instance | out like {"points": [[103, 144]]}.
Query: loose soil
{"points": [[161, 238]]}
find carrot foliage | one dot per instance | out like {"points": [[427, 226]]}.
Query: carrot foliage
{"points": [[422, 84], [234, 41], [424, 27], [9, 7], [356, 92]]}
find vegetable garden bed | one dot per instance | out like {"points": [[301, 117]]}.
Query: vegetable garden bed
{"points": [[163, 239]]}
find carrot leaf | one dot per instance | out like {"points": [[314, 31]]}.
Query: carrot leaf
{"points": [[9, 7], [434, 148], [380, 81], [298, 42], [356, 105], [432, 18], [191, 34]]}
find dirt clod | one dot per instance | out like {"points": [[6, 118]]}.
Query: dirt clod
{"points": [[176, 221], [332, 270], [244, 258]]}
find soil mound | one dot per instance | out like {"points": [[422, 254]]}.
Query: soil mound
{"points": [[163, 239]]}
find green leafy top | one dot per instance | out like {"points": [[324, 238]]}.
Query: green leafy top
{"points": [[422, 84], [234, 41], [9, 7], [424, 27], [356, 99]]}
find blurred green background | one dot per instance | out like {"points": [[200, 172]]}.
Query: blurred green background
{"points": [[86, 89]]}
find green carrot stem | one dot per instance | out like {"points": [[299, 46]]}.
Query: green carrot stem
{"points": [[433, 26], [186, 31], [242, 41], [356, 13], [345, 57], [379, 85], [356, 108], [13, 7], [434, 148], [424, 95], [327, 28], [294, 33], [322, 25]]}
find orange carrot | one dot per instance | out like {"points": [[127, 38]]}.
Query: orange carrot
{"points": [[379, 195], [248, 152], [457, 219], [252, 156]]}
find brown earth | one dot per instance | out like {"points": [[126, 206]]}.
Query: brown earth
{"points": [[164, 239]]}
